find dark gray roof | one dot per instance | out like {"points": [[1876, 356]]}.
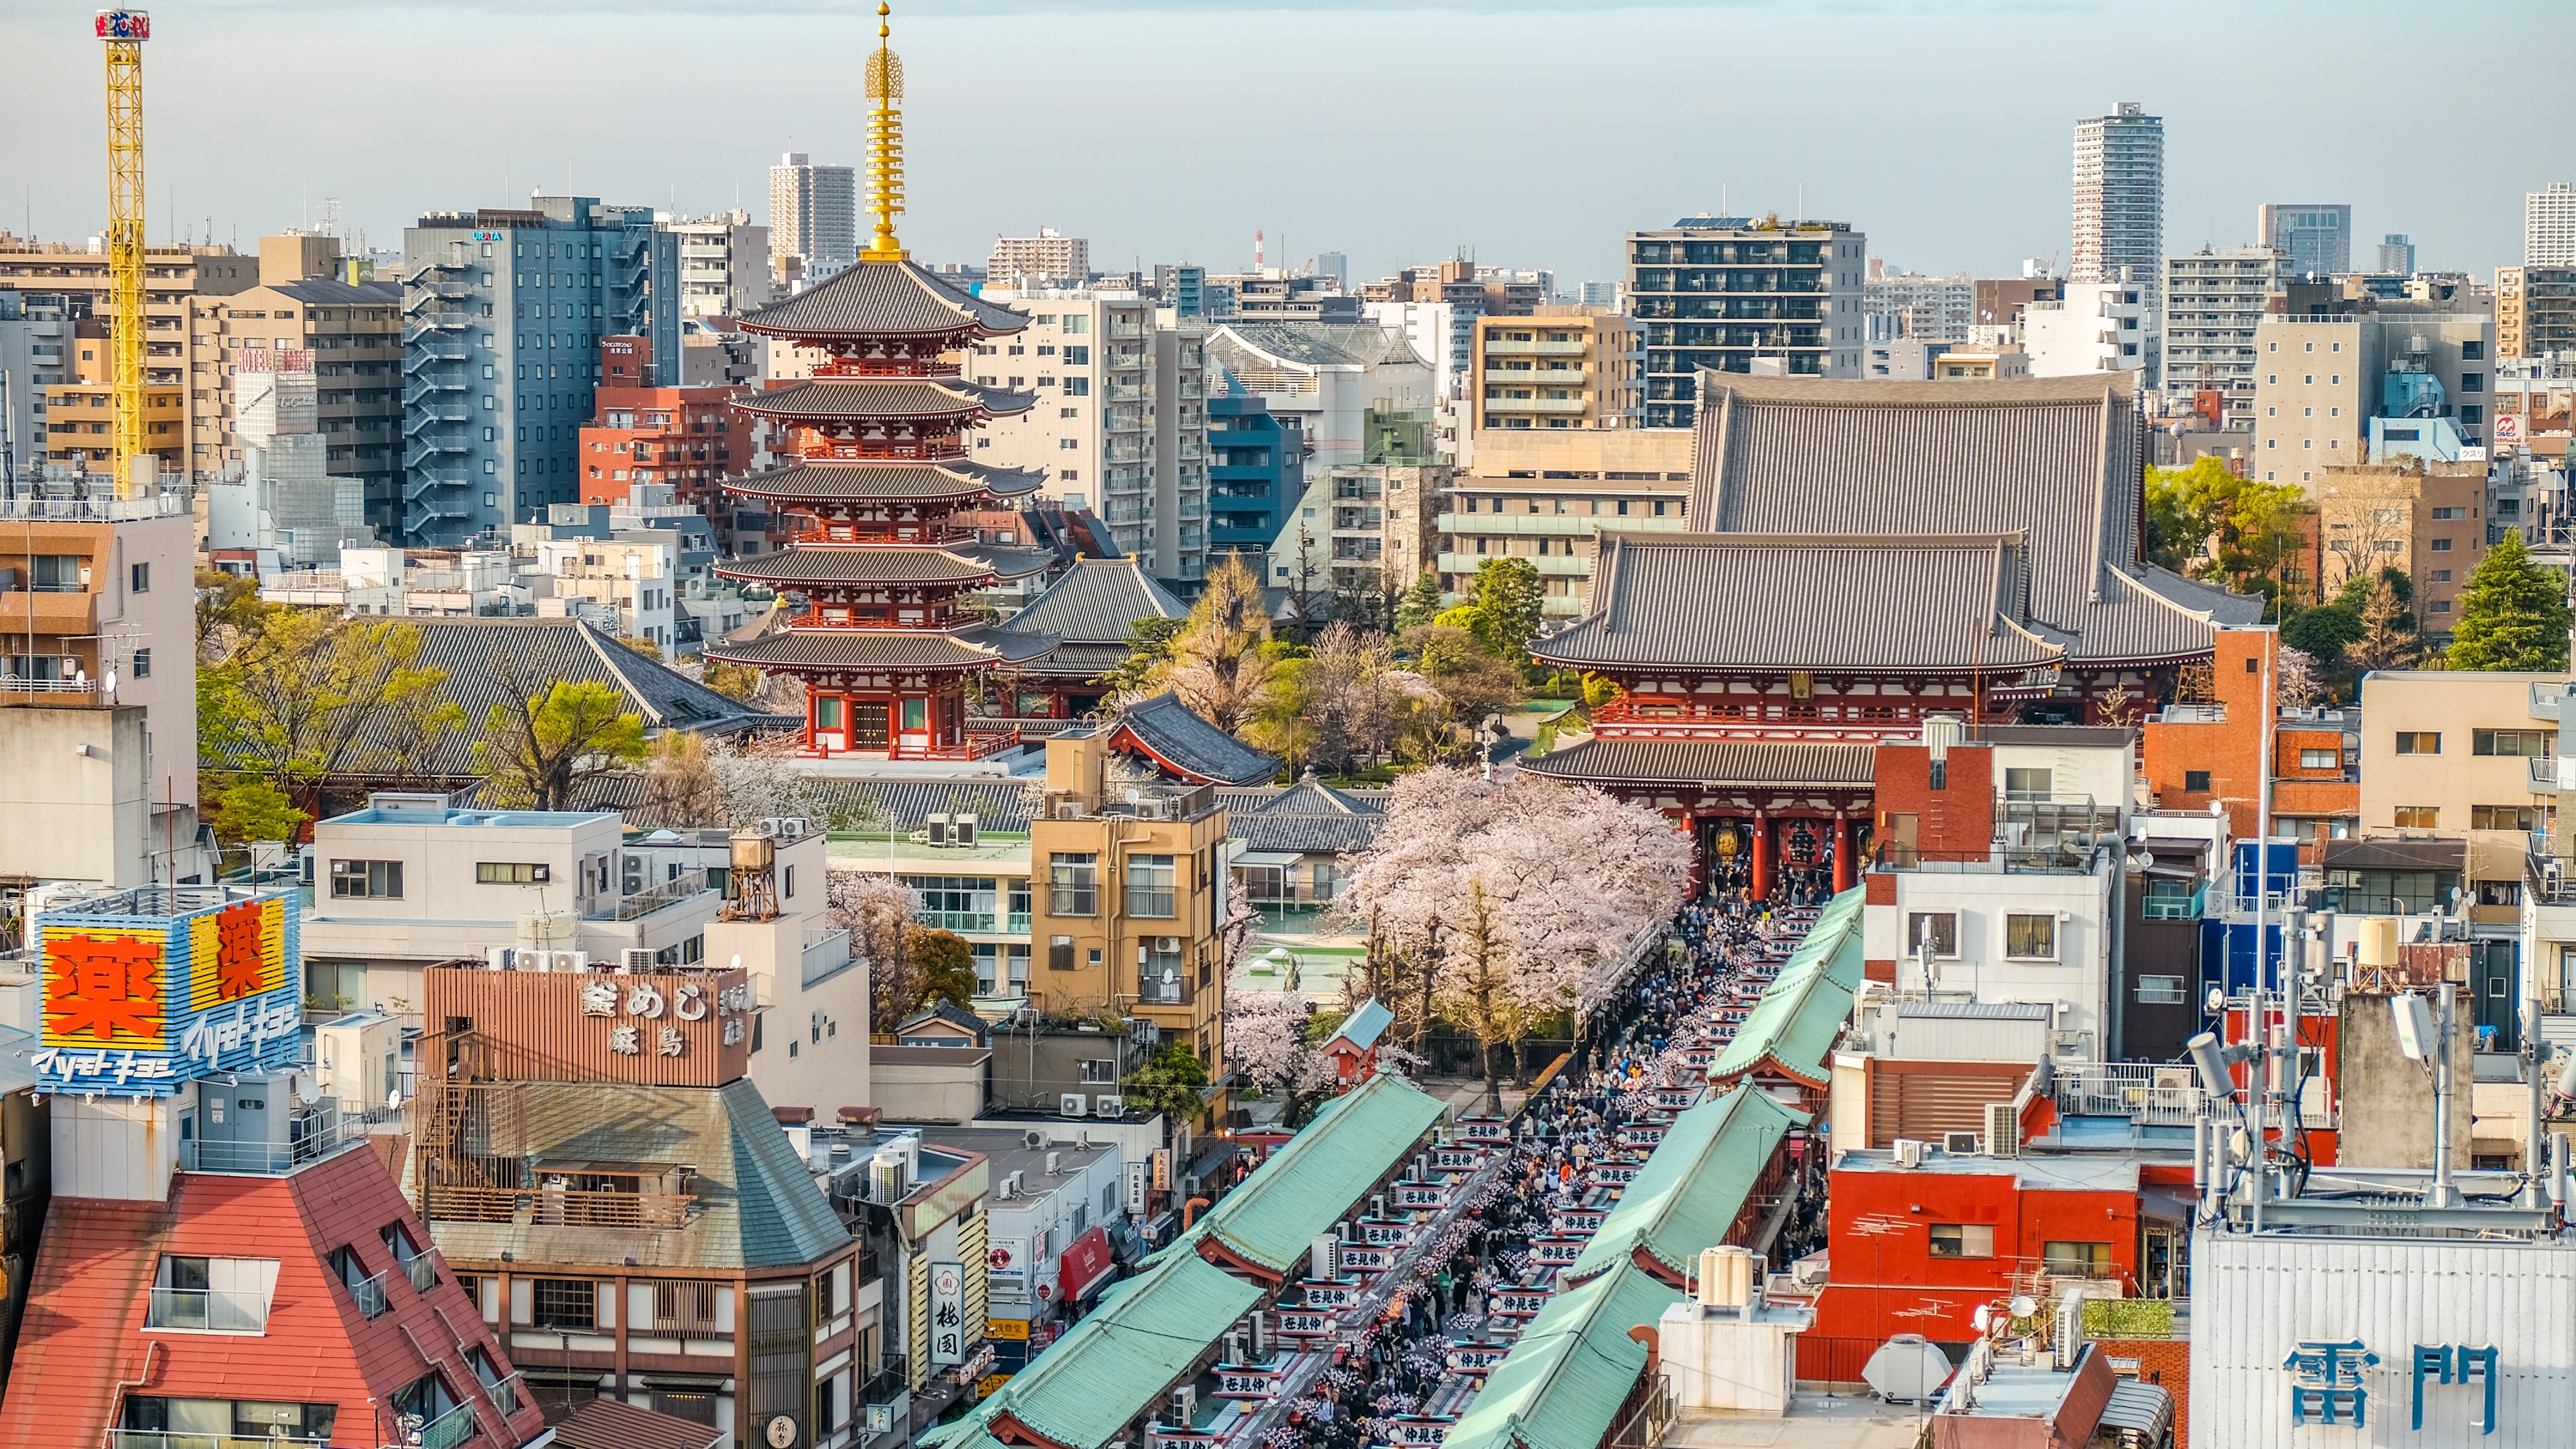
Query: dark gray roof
{"points": [[327, 292], [543, 651], [1078, 661], [758, 1204], [1880, 603], [1095, 602], [2058, 460], [1310, 796], [882, 299], [1707, 762], [888, 564], [1304, 834], [1197, 750], [866, 806], [881, 648], [890, 397], [955, 478]]}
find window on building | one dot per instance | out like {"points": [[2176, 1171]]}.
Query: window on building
{"points": [[212, 1295], [353, 880], [2160, 991], [2030, 935], [685, 1307], [141, 579], [1150, 887], [2076, 1260], [2027, 784], [1963, 1240], [512, 872], [143, 664], [1059, 953], [1098, 1070], [2528, 744], [1936, 932], [2419, 742], [564, 1302], [1073, 884], [2417, 817], [2195, 781], [2320, 759], [2507, 817], [223, 1421], [2441, 545]]}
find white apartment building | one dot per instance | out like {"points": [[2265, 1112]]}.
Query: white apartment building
{"points": [[813, 215], [1326, 376], [2213, 303], [624, 586], [418, 583], [1909, 305], [1048, 259], [724, 264], [2549, 226], [2099, 327], [1121, 421], [2120, 201]]}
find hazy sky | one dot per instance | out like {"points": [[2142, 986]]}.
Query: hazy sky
{"points": [[1393, 130]]}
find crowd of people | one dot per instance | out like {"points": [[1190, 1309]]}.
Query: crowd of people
{"points": [[1636, 1040]]}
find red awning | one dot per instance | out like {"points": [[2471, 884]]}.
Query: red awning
{"points": [[1084, 1265]]}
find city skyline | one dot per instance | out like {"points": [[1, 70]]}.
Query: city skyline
{"points": [[1972, 175]]}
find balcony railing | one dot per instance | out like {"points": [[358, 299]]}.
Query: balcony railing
{"points": [[983, 921], [2143, 1092], [176, 1439], [422, 1270], [310, 1138], [557, 1207], [207, 1310], [447, 1430], [369, 1295], [671, 892], [504, 1393]]}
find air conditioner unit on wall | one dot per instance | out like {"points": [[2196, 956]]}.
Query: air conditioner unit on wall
{"points": [[1108, 1106], [2003, 1130], [1073, 1104], [636, 958], [1959, 1144]]}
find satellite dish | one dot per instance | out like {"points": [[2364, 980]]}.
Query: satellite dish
{"points": [[1984, 1315], [2141, 861], [737, 960], [109, 684], [2217, 1001], [2023, 1305]]}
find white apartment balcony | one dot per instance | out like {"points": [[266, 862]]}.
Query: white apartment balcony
{"points": [[1534, 404], [1502, 347]]}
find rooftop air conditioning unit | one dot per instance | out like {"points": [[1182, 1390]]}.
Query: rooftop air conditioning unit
{"points": [[1185, 1402], [1108, 1106], [1055, 1164], [1073, 1104], [500, 958], [1909, 1153], [961, 829], [934, 831], [1959, 1144], [571, 961], [635, 958], [2003, 1130], [1034, 1139], [1068, 810], [791, 827]]}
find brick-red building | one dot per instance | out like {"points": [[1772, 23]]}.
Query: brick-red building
{"points": [[304, 1306], [683, 436], [2212, 751]]}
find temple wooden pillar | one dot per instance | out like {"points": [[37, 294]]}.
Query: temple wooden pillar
{"points": [[1842, 853], [1761, 890]]}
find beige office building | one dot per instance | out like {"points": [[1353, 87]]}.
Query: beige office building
{"points": [[1545, 495], [353, 335], [1562, 367], [2318, 378], [1048, 259], [60, 282], [2461, 755], [2535, 311], [2430, 521]]}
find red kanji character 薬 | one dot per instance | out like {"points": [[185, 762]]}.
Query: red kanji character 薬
{"points": [[239, 959], [103, 989]]}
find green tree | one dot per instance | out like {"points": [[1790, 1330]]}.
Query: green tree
{"points": [[2513, 614], [2387, 638], [1421, 603], [945, 966], [1221, 661], [541, 748], [227, 602], [248, 810], [1149, 652], [1172, 1082], [2210, 524], [1503, 608], [733, 681], [302, 698], [2324, 630]]}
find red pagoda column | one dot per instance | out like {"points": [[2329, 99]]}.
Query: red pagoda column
{"points": [[1761, 856], [1842, 852]]}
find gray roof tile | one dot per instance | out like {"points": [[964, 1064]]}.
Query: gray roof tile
{"points": [[1096, 601], [956, 478], [882, 299], [890, 397], [1708, 762], [1177, 736]]}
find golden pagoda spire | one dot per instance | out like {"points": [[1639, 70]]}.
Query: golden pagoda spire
{"points": [[885, 145]]}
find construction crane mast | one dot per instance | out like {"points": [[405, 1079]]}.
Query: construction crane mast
{"points": [[125, 31]]}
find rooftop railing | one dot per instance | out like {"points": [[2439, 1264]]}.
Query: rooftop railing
{"points": [[208, 1310], [671, 892]]}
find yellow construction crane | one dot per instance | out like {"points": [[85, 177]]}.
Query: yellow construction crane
{"points": [[125, 31]]}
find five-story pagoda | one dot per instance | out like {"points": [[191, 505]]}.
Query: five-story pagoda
{"points": [[877, 440]]}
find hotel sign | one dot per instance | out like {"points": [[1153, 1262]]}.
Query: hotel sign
{"points": [[154, 988]]}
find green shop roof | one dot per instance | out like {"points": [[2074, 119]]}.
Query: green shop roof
{"points": [[1563, 1383], [1688, 1194], [1313, 1178], [1146, 1335], [1803, 1010]]}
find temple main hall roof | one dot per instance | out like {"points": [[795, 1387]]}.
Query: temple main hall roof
{"points": [[1868, 604], [966, 648], [962, 564], [883, 299], [862, 479], [892, 398], [2056, 460]]}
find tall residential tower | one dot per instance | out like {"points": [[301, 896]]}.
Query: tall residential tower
{"points": [[813, 214], [2120, 202]]}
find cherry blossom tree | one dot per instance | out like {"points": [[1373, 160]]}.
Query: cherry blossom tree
{"points": [[1265, 1033], [878, 912], [1508, 898]]}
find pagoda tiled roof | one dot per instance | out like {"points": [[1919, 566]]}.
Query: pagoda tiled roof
{"points": [[1904, 604], [969, 648], [888, 564], [2057, 460], [1097, 601], [856, 479], [887, 397], [1189, 745], [882, 299]]}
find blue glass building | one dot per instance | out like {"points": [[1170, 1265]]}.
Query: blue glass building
{"points": [[1256, 474]]}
